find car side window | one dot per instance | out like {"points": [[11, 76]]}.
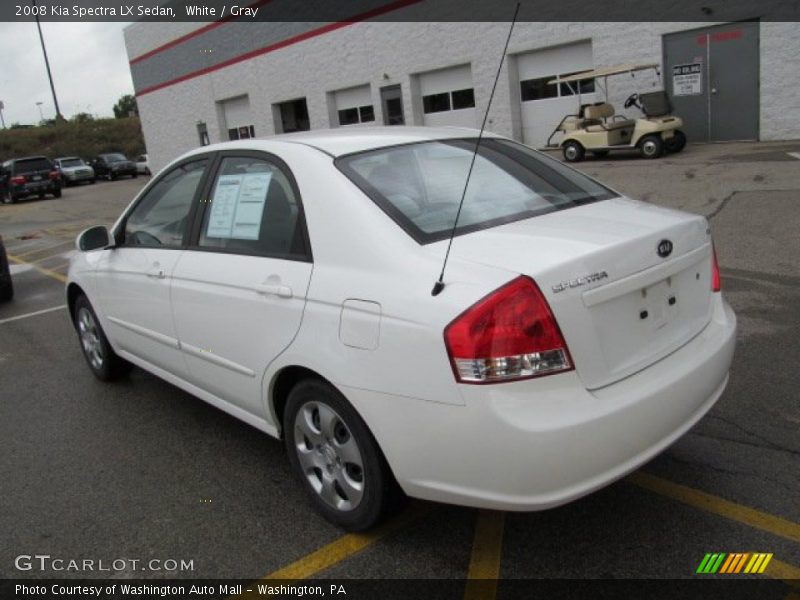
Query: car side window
{"points": [[161, 218], [253, 209]]}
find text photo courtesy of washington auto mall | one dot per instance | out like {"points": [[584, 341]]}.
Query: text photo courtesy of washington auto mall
{"points": [[381, 299]]}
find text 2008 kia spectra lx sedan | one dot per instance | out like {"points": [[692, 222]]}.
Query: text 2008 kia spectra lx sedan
{"points": [[288, 281]]}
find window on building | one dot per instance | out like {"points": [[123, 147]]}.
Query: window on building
{"points": [[367, 113], [355, 115], [434, 103], [445, 101], [463, 98], [539, 89], [245, 132]]}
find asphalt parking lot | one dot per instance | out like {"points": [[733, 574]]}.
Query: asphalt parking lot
{"points": [[140, 469]]}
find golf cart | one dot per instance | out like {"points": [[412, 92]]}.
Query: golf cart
{"points": [[597, 129]]}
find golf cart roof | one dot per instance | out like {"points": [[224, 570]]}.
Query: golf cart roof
{"points": [[604, 72]]}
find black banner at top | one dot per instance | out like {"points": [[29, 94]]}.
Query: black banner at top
{"points": [[171, 11]]}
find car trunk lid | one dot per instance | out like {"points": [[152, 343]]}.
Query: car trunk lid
{"points": [[620, 305]]}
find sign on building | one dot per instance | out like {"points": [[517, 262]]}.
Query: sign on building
{"points": [[687, 80]]}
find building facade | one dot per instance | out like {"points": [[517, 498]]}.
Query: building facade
{"points": [[200, 83]]}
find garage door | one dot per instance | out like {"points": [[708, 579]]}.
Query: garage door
{"points": [[448, 97], [354, 106], [238, 120], [542, 105]]}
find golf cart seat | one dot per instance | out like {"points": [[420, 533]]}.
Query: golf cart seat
{"points": [[596, 118]]}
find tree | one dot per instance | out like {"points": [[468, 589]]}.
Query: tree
{"points": [[126, 107], [81, 117]]}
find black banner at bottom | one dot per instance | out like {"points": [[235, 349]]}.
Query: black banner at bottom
{"points": [[385, 589]]}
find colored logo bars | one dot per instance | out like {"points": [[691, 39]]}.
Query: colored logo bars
{"points": [[720, 562]]}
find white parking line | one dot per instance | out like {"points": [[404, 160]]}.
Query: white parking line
{"points": [[794, 155], [33, 314]]}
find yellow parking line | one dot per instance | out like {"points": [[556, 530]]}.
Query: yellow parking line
{"points": [[789, 574], [340, 549], [45, 249], [487, 550], [42, 270], [718, 506]]}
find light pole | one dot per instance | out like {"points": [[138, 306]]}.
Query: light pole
{"points": [[41, 116], [47, 64]]}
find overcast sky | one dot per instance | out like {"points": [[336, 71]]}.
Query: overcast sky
{"points": [[88, 61]]}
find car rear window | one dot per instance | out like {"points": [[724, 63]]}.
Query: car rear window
{"points": [[114, 157], [29, 165], [71, 162], [420, 185]]}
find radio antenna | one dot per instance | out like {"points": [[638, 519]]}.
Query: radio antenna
{"points": [[439, 285]]}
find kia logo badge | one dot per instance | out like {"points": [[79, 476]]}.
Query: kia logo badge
{"points": [[664, 248]]}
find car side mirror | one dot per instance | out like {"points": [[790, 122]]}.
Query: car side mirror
{"points": [[94, 238]]}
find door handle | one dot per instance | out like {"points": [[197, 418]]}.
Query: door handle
{"points": [[266, 289]]}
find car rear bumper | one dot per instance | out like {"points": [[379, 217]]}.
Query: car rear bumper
{"points": [[536, 444]]}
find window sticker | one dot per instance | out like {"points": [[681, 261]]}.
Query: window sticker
{"points": [[238, 205]]}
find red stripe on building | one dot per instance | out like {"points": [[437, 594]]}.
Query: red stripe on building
{"points": [[266, 49]]}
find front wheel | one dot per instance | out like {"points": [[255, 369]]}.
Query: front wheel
{"points": [[57, 193], [573, 151], [336, 458], [676, 143], [651, 146], [101, 358]]}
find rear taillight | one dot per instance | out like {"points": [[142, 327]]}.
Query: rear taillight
{"points": [[18, 180], [54, 175], [716, 280], [511, 334]]}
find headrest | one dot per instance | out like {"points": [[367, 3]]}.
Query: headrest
{"points": [[599, 111]]}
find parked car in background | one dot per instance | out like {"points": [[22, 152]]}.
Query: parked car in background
{"points": [[29, 176], [112, 165], [576, 333], [6, 287], [74, 170], [143, 164]]}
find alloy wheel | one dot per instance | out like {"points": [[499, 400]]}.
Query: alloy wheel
{"points": [[90, 338], [329, 456]]}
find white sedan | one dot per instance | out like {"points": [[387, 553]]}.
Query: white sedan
{"points": [[288, 281]]}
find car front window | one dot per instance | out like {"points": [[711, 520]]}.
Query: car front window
{"points": [[160, 218], [420, 185]]}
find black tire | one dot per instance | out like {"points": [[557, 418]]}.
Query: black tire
{"points": [[57, 193], [92, 181], [327, 454], [6, 291], [147, 171], [109, 366], [573, 151], [676, 143], [599, 153], [651, 146], [135, 175]]}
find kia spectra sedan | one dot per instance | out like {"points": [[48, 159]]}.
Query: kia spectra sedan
{"points": [[289, 282]]}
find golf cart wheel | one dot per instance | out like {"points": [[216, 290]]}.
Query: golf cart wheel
{"points": [[573, 151], [651, 146], [676, 143]]}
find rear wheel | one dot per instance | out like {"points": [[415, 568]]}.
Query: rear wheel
{"points": [[57, 193], [101, 358], [573, 151], [676, 143], [6, 289], [651, 146], [336, 457]]}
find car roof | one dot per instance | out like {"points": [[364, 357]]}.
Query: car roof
{"points": [[69, 158], [347, 140], [39, 157]]}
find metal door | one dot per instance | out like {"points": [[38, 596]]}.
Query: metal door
{"points": [[712, 77], [392, 100]]}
